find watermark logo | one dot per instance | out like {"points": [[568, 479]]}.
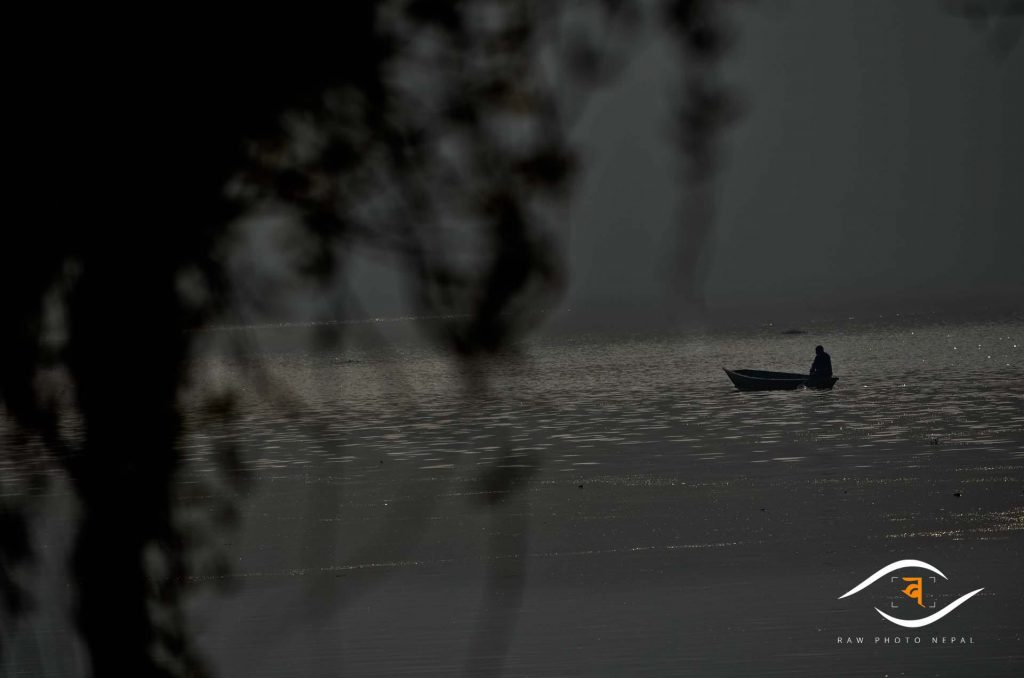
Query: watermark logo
{"points": [[915, 590]]}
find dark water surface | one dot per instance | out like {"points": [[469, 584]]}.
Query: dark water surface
{"points": [[611, 507]]}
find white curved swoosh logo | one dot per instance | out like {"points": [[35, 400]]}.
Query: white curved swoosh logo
{"points": [[911, 623], [925, 621]]}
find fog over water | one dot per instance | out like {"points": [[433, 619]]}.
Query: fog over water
{"points": [[875, 163]]}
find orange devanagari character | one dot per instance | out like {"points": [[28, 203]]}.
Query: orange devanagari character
{"points": [[915, 589]]}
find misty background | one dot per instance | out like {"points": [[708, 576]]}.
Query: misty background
{"points": [[875, 164]]}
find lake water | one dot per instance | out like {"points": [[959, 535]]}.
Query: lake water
{"points": [[589, 404], [613, 506]]}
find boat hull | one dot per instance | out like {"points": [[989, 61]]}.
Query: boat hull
{"points": [[762, 380]]}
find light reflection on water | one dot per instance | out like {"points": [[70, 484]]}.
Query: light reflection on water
{"points": [[646, 402], [672, 519], [674, 523]]}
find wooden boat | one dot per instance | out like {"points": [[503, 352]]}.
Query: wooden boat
{"points": [[762, 380]]}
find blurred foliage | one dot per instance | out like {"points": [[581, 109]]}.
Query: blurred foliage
{"points": [[435, 131]]}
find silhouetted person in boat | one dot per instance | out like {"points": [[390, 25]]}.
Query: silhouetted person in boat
{"points": [[821, 368]]}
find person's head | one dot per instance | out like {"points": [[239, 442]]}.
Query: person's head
{"points": [[819, 350]]}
